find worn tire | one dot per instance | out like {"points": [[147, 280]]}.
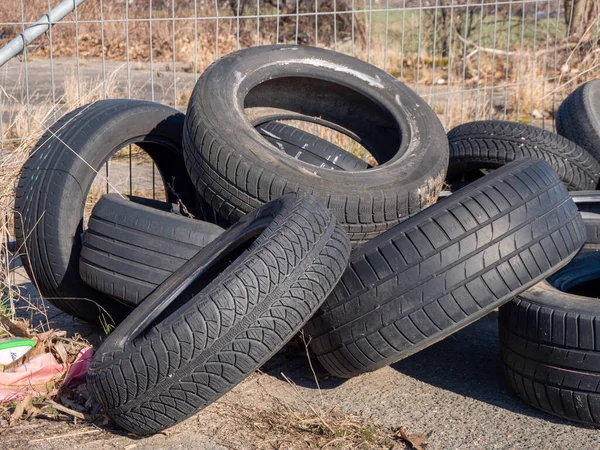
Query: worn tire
{"points": [[592, 227], [196, 337], [446, 267], [310, 148], [54, 184], [236, 171], [578, 117], [490, 144], [588, 203], [129, 248], [550, 344]]}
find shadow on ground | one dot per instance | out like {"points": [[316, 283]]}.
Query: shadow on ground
{"points": [[466, 363]]}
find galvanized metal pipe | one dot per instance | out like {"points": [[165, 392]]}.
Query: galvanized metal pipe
{"points": [[16, 46]]}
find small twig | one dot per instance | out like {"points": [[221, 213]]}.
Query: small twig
{"points": [[81, 343], [581, 41], [293, 385], [60, 436], [306, 344], [571, 80], [332, 442], [69, 411], [510, 53]]}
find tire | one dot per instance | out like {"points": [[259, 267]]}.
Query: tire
{"points": [[236, 171], [446, 267], [588, 203], [176, 354], [130, 247], [54, 184], [592, 228], [578, 117], [549, 344], [490, 144], [309, 148]]}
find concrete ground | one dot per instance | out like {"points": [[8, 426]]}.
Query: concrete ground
{"points": [[453, 391]]}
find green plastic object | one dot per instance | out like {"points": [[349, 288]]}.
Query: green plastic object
{"points": [[12, 349]]}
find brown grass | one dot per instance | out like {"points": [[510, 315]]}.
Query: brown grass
{"points": [[462, 107], [28, 124], [287, 426]]}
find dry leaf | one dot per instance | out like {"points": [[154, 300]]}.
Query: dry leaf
{"points": [[61, 351], [34, 410], [418, 441], [21, 407], [19, 329], [39, 348]]}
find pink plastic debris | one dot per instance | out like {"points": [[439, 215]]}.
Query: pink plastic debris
{"points": [[32, 377], [79, 368]]}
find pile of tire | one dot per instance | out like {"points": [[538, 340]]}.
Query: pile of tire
{"points": [[268, 229]]}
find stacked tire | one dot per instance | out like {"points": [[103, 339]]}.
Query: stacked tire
{"points": [[267, 229]]}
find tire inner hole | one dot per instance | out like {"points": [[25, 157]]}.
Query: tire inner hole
{"points": [[310, 150], [589, 288], [379, 133]]}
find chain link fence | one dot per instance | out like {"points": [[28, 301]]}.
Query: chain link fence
{"points": [[470, 59]]}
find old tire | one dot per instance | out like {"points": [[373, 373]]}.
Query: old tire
{"points": [[588, 203], [221, 315], [55, 181], [550, 343], [578, 117], [236, 171], [132, 246], [490, 144], [446, 267], [309, 148]]}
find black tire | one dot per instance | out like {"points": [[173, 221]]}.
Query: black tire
{"points": [[550, 344], [490, 144], [176, 354], [236, 170], [309, 148], [578, 117], [592, 228], [130, 247], [55, 181], [588, 203], [446, 267]]}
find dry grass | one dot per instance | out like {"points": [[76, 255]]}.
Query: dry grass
{"points": [[287, 427], [456, 109], [23, 125]]}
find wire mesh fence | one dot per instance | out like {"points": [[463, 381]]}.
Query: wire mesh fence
{"points": [[470, 59]]}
